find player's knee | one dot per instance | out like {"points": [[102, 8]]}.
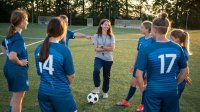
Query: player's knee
{"points": [[133, 82], [18, 96]]}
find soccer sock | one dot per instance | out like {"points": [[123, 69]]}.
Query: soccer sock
{"points": [[130, 93], [142, 102], [10, 109]]}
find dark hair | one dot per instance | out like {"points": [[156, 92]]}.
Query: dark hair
{"points": [[147, 25], [16, 18], [55, 28], [184, 38], [161, 23], [109, 32]]}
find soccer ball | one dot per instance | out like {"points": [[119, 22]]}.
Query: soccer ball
{"points": [[92, 98]]}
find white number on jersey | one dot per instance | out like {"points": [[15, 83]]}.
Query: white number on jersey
{"points": [[162, 58], [7, 52], [50, 67]]}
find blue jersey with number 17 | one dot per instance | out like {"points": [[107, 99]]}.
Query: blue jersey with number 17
{"points": [[161, 60], [53, 72]]}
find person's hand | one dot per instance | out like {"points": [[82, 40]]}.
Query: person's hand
{"points": [[188, 80], [23, 62], [100, 46], [131, 70]]}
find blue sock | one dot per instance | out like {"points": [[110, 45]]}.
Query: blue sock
{"points": [[10, 109], [142, 102], [130, 93]]}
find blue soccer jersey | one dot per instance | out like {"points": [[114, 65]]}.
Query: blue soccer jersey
{"points": [[16, 75], [70, 35], [15, 44], [142, 42], [181, 86], [53, 72], [161, 60], [186, 55]]}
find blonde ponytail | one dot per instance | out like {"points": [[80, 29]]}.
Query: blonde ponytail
{"points": [[186, 44]]}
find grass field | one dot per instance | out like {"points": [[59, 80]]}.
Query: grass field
{"points": [[83, 55]]}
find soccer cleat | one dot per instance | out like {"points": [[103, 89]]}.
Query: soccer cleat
{"points": [[96, 90], [124, 103], [140, 108], [105, 95]]}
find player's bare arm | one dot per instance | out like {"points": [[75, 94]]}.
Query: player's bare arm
{"points": [[109, 48], [182, 75]]}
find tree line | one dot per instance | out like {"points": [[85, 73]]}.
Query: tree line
{"points": [[182, 13]]}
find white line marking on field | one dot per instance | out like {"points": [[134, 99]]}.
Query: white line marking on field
{"points": [[81, 29], [75, 39], [128, 39], [115, 39], [43, 40], [34, 43]]}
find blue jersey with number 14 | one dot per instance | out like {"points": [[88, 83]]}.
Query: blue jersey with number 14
{"points": [[53, 72], [161, 60]]}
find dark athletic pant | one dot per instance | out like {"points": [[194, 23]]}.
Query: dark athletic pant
{"points": [[98, 64]]}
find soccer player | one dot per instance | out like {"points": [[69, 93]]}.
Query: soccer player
{"points": [[70, 34], [104, 45], [16, 66], [182, 38], [55, 67], [161, 60], [143, 42]]}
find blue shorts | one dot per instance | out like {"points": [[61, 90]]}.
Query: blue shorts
{"points": [[143, 75], [161, 103], [17, 78], [49, 103]]}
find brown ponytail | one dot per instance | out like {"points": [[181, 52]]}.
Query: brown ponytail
{"points": [[57, 29], [16, 18], [11, 31], [44, 52]]}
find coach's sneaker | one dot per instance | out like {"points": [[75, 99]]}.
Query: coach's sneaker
{"points": [[96, 90], [105, 95], [124, 103], [140, 108]]}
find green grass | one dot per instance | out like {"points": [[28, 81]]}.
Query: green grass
{"points": [[83, 55]]}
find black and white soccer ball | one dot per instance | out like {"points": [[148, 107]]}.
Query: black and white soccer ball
{"points": [[92, 98]]}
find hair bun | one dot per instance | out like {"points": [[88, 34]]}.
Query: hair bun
{"points": [[163, 15]]}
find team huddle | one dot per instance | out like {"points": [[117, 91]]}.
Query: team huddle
{"points": [[160, 69]]}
